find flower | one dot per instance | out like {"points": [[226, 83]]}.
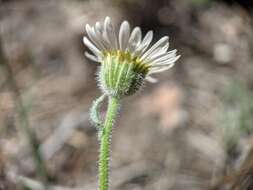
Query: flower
{"points": [[126, 57]]}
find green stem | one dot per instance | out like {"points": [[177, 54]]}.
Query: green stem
{"points": [[104, 157]]}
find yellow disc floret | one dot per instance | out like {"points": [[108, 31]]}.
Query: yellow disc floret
{"points": [[128, 58]]}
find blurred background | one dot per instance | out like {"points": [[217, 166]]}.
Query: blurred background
{"points": [[192, 130]]}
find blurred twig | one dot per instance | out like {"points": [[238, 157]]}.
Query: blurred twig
{"points": [[37, 185], [23, 117], [62, 133], [240, 179]]}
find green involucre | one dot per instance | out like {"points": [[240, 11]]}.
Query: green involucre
{"points": [[121, 75]]}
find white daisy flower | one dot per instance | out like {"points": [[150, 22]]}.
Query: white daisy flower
{"points": [[127, 53]]}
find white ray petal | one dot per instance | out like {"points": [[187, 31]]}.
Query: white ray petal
{"points": [[145, 43], [94, 38], [92, 57], [157, 52], [94, 49], [135, 39], [165, 61], [110, 33], [105, 37], [158, 66], [101, 39], [161, 68], [124, 34], [99, 34], [166, 55], [99, 27], [151, 79], [159, 44]]}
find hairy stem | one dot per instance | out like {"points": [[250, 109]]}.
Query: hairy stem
{"points": [[104, 157]]}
